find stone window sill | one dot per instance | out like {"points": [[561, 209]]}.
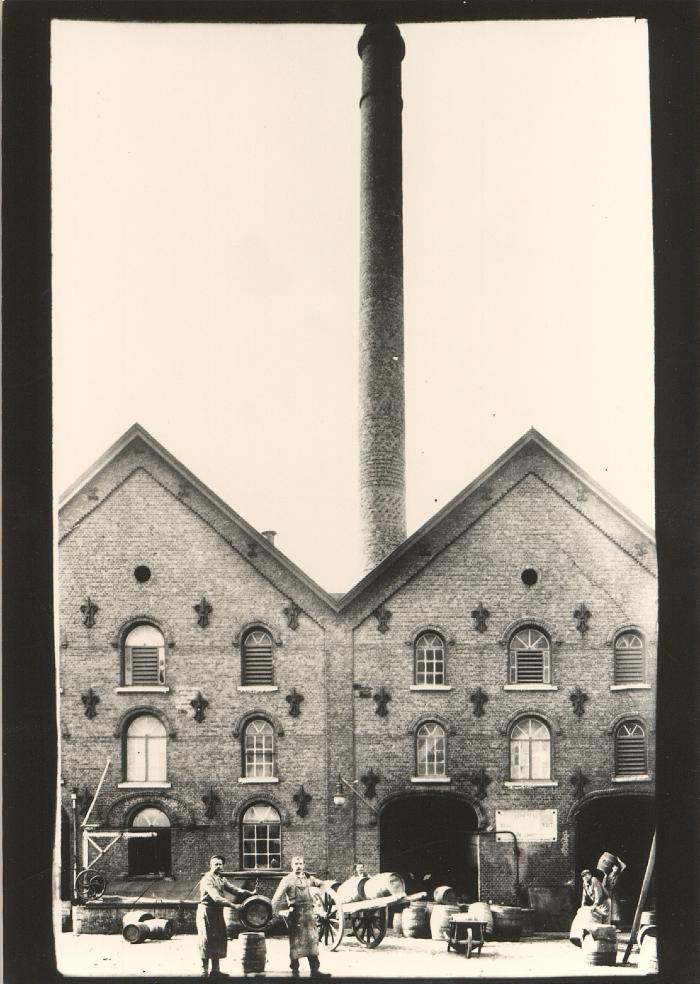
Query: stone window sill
{"points": [[527, 783], [262, 688], [143, 689], [640, 778], [430, 686], [431, 779], [530, 686], [266, 779], [144, 785], [630, 686]]}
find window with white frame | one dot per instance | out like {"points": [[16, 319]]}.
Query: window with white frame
{"points": [[144, 657], [629, 658], [259, 748], [146, 750], [630, 749], [431, 750], [256, 659], [530, 750], [528, 657], [429, 659], [261, 837]]}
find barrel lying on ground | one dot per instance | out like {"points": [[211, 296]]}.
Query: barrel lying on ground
{"points": [[134, 929]]}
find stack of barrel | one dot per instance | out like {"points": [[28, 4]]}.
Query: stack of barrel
{"points": [[138, 926], [445, 906]]}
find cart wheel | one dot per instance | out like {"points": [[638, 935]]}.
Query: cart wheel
{"points": [[89, 885], [370, 927], [329, 918]]}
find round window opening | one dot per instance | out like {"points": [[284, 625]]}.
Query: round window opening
{"points": [[529, 577], [142, 574]]}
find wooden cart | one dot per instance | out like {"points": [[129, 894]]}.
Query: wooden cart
{"points": [[367, 918]]}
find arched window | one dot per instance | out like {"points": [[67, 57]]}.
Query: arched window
{"points": [[150, 855], [528, 657], [256, 659], [530, 744], [261, 837], [431, 750], [630, 749], [429, 659], [146, 750], [144, 657], [259, 750], [629, 658]]}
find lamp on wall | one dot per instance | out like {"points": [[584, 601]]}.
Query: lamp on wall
{"points": [[340, 799]]}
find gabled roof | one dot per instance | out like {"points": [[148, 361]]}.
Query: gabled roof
{"points": [[136, 433], [528, 440]]}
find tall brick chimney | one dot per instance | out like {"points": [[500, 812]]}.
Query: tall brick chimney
{"points": [[382, 412]]}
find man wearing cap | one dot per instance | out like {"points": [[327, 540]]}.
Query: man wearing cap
{"points": [[211, 927], [295, 891]]}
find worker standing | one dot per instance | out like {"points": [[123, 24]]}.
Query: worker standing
{"points": [[295, 891], [211, 926]]}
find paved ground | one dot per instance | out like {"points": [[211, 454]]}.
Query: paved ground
{"points": [[537, 956]]}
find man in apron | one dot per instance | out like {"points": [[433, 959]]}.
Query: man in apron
{"points": [[294, 891], [211, 926]]}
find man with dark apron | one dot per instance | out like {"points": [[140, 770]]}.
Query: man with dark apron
{"points": [[211, 926], [295, 892]]}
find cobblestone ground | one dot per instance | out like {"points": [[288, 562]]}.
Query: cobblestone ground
{"points": [[538, 956]]}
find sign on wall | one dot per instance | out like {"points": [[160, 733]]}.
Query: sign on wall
{"points": [[529, 826]]}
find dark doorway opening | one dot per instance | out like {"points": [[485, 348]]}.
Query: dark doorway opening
{"points": [[427, 840], [65, 857], [150, 855], [623, 825]]}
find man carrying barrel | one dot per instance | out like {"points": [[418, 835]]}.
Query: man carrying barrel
{"points": [[211, 927], [295, 892]]}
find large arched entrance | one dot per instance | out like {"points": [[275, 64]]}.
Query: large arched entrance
{"points": [[623, 825], [430, 841]]}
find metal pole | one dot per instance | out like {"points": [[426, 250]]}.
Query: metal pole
{"points": [[74, 805], [642, 899]]}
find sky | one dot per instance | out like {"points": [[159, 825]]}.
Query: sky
{"points": [[205, 236]]}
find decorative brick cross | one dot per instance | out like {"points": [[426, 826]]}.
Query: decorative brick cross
{"points": [[211, 802], [582, 615], [183, 490], [481, 782], [579, 782], [382, 698], [90, 700], [578, 700], [89, 610], [292, 611], [369, 781], [294, 700], [479, 699], [252, 548], [200, 705], [480, 615], [383, 616], [93, 493], [582, 494], [302, 800], [204, 610]]}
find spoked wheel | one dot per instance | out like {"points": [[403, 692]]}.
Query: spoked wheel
{"points": [[370, 927], [329, 918], [89, 885]]}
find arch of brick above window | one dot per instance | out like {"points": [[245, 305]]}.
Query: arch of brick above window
{"points": [[631, 715], [426, 718], [439, 630], [133, 712], [239, 809], [596, 794], [626, 627], [257, 715], [547, 718], [121, 810], [449, 793], [133, 622], [530, 622], [258, 626]]}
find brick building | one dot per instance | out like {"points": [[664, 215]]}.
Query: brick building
{"points": [[494, 672]]}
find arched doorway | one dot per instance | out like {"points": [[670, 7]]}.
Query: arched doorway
{"points": [[150, 855], [430, 840], [623, 825]]}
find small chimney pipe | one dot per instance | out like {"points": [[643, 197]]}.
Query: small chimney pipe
{"points": [[270, 535]]}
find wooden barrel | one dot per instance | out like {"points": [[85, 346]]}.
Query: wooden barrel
{"points": [[352, 890], [136, 915], [158, 929], [647, 919], [256, 912], [482, 912], [414, 921], [605, 862], [648, 955], [445, 895], [440, 920], [507, 922], [330, 883], [386, 883], [528, 921], [600, 947], [253, 953], [135, 932]]}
